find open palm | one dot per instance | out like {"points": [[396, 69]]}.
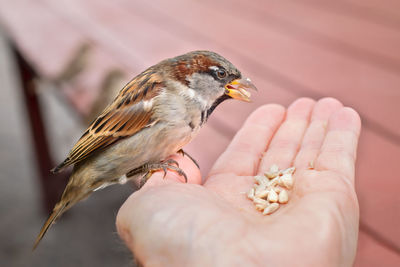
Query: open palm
{"points": [[170, 223]]}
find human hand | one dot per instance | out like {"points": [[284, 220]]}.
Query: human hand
{"points": [[170, 223]]}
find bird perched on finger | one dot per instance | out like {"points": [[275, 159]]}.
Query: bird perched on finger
{"points": [[152, 117]]}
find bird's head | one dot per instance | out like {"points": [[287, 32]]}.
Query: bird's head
{"points": [[207, 78]]}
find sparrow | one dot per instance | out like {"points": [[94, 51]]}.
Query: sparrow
{"points": [[152, 117]]}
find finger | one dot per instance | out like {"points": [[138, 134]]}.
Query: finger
{"points": [[244, 152], [186, 164], [286, 142], [338, 151], [315, 132]]}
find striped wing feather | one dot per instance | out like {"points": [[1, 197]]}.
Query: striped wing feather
{"points": [[124, 117]]}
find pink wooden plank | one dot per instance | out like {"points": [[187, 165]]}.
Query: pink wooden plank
{"points": [[82, 20], [120, 32], [384, 8], [346, 33], [77, 11], [383, 13], [377, 185], [47, 42], [371, 253], [107, 26], [83, 91], [326, 74], [123, 28]]}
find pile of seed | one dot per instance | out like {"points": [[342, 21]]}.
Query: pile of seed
{"points": [[271, 189]]}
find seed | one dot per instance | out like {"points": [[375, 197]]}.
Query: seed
{"points": [[283, 197], [286, 180], [250, 195], [260, 180], [260, 201], [277, 189], [273, 171], [259, 189], [274, 168], [271, 175], [261, 206], [271, 208], [257, 179], [262, 193], [311, 165], [271, 189], [272, 196], [273, 182]]}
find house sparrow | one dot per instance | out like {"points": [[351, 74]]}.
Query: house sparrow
{"points": [[152, 117]]}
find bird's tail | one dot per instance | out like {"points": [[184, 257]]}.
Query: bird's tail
{"points": [[59, 209]]}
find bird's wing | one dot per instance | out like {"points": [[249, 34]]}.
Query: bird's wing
{"points": [[130, 112]]}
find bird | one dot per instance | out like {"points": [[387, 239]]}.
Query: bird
{"points": [[151, 118]]}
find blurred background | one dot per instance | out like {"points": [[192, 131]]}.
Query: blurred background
{"points": [[62, 61]]}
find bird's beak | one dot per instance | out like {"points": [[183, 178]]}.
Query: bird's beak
{"points": [[237, 89]]}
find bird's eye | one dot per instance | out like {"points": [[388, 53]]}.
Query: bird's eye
{"points": [[221, 73]]}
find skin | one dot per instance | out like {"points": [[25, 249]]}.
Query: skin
{"points": [[170, 223]]}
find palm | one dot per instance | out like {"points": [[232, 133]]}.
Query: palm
{"points": [[177, 223]]}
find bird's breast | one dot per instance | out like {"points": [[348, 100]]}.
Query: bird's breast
{"points": [[177, 124]]}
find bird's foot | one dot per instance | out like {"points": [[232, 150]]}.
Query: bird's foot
{"points": [[151, 168], [183, 153]]}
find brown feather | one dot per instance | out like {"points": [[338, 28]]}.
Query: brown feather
{"points": [[58, 210], [185, 66], [124, 117]]}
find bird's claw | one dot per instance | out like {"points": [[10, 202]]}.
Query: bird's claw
{"points": [[170, 162], [150, 168], [183, 153]]}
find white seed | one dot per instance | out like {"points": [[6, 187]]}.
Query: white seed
{"points": [[259, 189], [273, 172], [271, 208], [283, 197], [262, 193], [250, 195], [261, 206], [311, 165], [272, 196], [272, 189], [286, 180], [273, 182], [274, 168], [260, 179], [260, 201], [271, 175], [277, 189]]}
